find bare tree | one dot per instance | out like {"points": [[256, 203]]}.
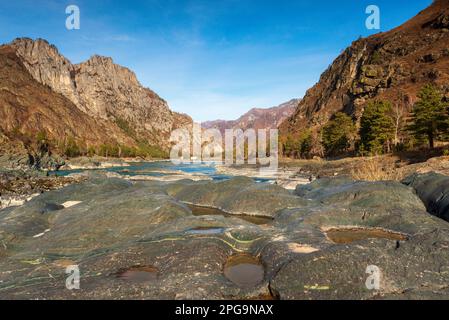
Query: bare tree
{"points": [[399, 116]]}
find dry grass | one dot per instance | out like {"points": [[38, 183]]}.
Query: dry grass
{"points": [[372, 169], [379, 168]]}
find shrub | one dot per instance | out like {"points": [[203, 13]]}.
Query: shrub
{"points": [[146, 150], [290, 146], [91, 151], [376, 58], [71, 148], [42, 142], [109, 150], [125, 126], [305, 144], [372, 170]]}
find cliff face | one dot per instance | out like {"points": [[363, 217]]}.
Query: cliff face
{"points": [[257, 118], [28, 107], [47, 66], [109, 91], [102, 90], [391, 66]]}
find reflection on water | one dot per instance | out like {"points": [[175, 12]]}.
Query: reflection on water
{"points": [[348, 235], [139, 274], [205, 230], [155, 169], [244, 270], [208, 211]]}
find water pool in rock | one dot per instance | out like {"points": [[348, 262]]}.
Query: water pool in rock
{"points": [[209, 211], [349, 235], [140, 274], [244, 270]]}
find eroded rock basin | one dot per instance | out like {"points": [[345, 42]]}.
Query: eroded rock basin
{"points": [[205, 230], [244, 270], [139, 274], [350, 234], [210, 211]]}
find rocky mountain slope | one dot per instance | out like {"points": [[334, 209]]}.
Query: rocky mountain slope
{"points": [[315, 242], [257, 118], [391, 66], [95, 102], [29, 107]]}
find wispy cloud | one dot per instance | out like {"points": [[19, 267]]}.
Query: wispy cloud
{"points": [[108, 38], [121, 38]]}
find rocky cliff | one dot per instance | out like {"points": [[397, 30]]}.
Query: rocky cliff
{"points": [[29, 107], [257, 118], [102, 91], [392, 66]]}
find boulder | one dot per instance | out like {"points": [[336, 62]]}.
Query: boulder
{"points": [[433, 189]]}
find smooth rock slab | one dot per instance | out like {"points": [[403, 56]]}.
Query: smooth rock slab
{"points": [[417, 268], [433, 189], [238, 196], [118, 225]]}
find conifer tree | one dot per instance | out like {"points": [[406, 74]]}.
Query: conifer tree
{"points": [[338, 134], [376, 127], [429, 115]]}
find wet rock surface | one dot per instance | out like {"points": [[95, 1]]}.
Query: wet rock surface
{"points": [[140, 240]]}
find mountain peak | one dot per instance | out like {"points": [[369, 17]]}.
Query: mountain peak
{"points": [[101, 89], [37, 44], [257, 118], [390, 66], [100, 59], [27, 40]]}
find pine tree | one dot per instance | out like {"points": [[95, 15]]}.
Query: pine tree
{"points": [[338, 134], [429, 115], [376, 127]]}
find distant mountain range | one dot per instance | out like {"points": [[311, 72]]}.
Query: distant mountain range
{"points": [[91, 104], [257, 118]]}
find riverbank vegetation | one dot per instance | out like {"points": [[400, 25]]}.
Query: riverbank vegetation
{"points": [[383, 128]]}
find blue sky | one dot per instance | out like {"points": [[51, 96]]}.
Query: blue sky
{"points": [[211, 59]]}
